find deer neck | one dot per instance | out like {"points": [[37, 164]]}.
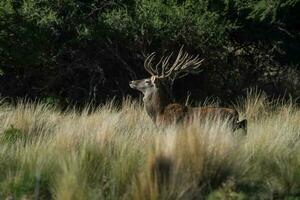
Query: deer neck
{"points": [[156, 101]]}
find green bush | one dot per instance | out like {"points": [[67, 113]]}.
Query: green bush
{"points": [[79, 51]]}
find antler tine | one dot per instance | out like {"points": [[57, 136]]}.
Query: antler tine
{"points": [[147, 64], [189, 62], [178, 59], [156, 66], [177, 65], [184, 60], [186, 64], [192, 66], [177, 62], [165, 63]]}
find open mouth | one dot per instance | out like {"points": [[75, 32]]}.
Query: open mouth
{"points": [[132, 85]]}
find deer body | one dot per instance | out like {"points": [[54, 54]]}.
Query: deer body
{"points": [[158, 99], [177, 113]]}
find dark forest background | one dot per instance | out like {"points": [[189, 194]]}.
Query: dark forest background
{"points": [[79, 51]]}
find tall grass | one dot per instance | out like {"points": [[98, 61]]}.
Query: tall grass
{"points": [[117, 153]]}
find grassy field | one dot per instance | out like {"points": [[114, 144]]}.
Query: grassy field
{"points": [[117, 153]]}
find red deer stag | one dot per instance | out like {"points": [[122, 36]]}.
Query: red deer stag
{"points": [[157, 92]]}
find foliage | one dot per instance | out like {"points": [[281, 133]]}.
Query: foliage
{"points": [[86, 51]]}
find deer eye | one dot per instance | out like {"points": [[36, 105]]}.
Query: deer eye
{"points": [[147, 81]]}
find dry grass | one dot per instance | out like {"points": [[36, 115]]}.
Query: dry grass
{"points": [[119, 154]]}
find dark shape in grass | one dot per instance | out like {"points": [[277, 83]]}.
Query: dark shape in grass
{"points": [[161, 169]]}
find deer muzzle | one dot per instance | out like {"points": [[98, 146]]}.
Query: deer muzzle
{"points": [[132, 84]]}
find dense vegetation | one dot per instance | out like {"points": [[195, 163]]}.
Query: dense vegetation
{"points": [[64, 52], [87, 51], [117, 153]]}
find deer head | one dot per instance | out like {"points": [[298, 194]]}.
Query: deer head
{"points": [[157, 89], [164, 73]]}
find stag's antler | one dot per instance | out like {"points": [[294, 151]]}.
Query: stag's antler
{"points": [[182, 66]]}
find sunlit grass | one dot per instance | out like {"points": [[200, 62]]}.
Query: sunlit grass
{"points": [[114, 152]]}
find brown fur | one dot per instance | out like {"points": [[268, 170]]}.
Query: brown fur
{"points": [[212, 112], [172, 113], [176, 113]]}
